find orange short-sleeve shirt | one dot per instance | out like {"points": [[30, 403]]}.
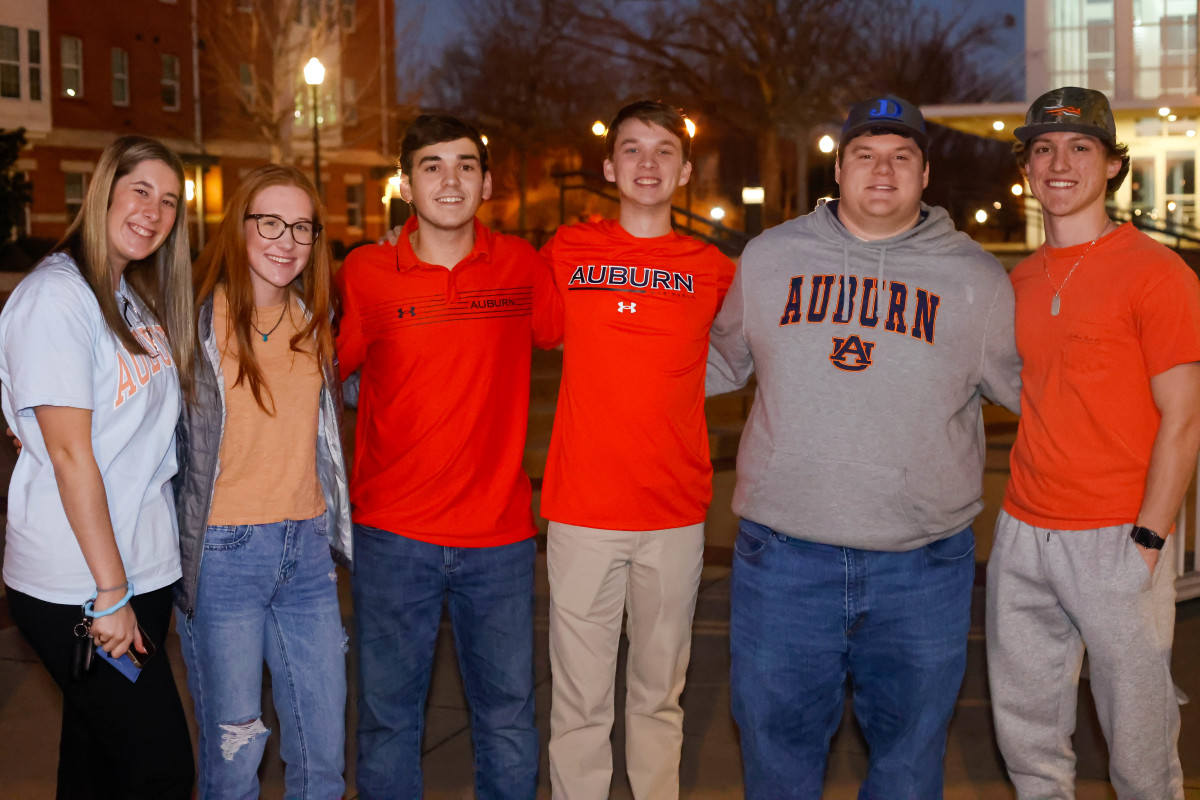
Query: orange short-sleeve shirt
{"points": [[630, 444], [1130, 311]]}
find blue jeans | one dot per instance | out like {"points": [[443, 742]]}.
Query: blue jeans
{"points": [[267, 592], [399, 587], [804, 617]]}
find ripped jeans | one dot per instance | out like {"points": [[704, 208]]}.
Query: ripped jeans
{"points": [[267, 592]]}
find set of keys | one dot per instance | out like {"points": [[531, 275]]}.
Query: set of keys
{"points": [[84, 650]]}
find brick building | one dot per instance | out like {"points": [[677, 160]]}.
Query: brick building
{"points": [[219, 81]]}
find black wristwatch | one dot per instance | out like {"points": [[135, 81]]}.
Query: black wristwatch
{"points": [[1147, 538]]}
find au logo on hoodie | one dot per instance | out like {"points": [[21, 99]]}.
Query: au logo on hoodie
{"points": [[851, 353]]}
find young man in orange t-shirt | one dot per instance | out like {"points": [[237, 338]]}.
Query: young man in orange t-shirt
{"points": [[442, 323], [1108, 329], [628, 477]]}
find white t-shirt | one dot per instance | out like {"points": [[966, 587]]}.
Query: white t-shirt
{"points": [[56, 350]]}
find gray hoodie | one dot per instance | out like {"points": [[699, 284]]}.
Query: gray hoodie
{"points": [[866, 429]]}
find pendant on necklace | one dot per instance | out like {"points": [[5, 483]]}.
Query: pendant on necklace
{"points": [[1055, 311], [1054, 306]]}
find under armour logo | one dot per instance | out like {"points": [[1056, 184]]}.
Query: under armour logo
{"points": [[412, 312], [632, 307], [851, 353]]}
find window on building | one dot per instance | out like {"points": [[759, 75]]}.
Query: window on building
{"points": [[350, 101], [76, 187], [246, 81], [35, 64], [1164, 48], [354, 205], [10, 62], [348, 15], [170, 82], [120, 77], [71, 59], [1081, 44]]}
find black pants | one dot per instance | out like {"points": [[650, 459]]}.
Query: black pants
{"points": [[120, 739]]}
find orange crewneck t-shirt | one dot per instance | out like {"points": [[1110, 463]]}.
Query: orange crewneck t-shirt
{"points": [[268, 461], [630, 444], [443, 403], [1088, 418]]}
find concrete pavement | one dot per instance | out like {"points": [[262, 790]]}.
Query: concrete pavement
{"points": [[30, 707]]}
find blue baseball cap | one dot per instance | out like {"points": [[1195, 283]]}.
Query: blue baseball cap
{"points": [[888, 112]]}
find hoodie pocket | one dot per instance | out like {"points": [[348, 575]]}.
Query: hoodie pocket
{"points": [[824, 499]]}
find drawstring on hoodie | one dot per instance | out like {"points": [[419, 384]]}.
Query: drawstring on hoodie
{"points": [[843, 297], [879, 310]]}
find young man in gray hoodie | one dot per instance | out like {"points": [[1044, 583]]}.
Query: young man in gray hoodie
{"points": [[875, 329]]}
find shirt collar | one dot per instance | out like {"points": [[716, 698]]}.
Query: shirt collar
{"points": [[406, 258]]}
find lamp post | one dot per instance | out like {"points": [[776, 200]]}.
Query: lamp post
{"points": [[687, 188], [314, 76], [752, 199]]}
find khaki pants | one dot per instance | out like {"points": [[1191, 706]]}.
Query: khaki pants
{"points": [[595, 575]]}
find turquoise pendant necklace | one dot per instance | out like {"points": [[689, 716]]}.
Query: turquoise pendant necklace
{"points": [[273, 327]]}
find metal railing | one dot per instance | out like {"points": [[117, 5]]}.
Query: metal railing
{"points": [[1165, 228], [729, 241]]}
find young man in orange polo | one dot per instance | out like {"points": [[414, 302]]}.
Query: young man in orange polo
{"points": [[441, 325], [628, 478], [1108, 329]]}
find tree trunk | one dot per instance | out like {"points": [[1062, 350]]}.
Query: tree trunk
{"points": [[800, 137], [521, 186], [769, 175]]}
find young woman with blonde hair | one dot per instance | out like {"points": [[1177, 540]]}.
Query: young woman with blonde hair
{"points": [[95, 344], [262, 497]]}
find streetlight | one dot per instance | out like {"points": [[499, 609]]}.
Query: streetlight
{"points": [[314, 76], [687, 188], [752, 199]]}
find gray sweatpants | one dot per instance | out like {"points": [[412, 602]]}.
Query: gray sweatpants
{"points": [[1050, 594]]}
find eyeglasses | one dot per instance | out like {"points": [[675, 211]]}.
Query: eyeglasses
{"points": [[272, 227]]}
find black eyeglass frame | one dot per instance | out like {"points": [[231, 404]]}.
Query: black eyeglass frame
{"points": [[287, 227]]}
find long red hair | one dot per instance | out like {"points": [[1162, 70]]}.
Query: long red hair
{"points": [[224, 261]]}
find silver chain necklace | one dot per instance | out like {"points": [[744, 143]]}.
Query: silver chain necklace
{"points": [[1056, 303]]}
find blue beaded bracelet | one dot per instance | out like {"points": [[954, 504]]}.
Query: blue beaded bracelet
{"points": [[124, 601]]}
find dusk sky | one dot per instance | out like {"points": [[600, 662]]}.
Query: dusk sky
{"points": [[441, 18]]}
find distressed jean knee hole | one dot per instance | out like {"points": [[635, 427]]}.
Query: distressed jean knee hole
{"points": [[235, 737]]}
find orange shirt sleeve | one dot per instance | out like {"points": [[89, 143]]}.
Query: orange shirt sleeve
{"points": [[351, 344], [724, 279], [547, 306], [1165, 316]]}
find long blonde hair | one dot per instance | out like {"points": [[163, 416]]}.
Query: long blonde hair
{"points": [[224, 261], [161, 280]]}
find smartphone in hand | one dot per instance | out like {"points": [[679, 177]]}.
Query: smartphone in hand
{"points": [[130, 664]]}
